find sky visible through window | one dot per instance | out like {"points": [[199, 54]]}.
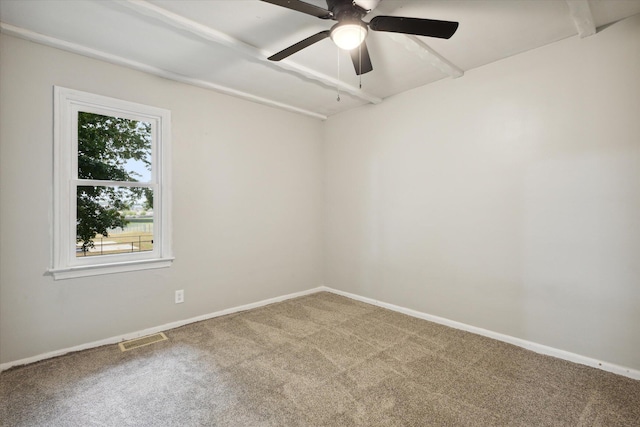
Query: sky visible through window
{"points": [[139, 168]]}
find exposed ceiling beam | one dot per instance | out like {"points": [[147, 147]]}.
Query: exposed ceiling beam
{"points": [[426, 52], [118, 60], [210, 34], [582, 17]]}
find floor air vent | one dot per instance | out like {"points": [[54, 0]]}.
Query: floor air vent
{"points": [[142, 341]]}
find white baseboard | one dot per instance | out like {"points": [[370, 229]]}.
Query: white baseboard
{"points": [[154, 330], [538, 348]]}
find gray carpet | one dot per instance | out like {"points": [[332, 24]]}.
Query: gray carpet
{"points": [[316, 360]]}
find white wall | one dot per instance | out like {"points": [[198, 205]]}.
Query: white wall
{"points": [[247, 206], [508, 199]]}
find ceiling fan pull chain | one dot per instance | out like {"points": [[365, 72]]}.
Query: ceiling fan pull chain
{"points": [[360, 63], [338, 87]]}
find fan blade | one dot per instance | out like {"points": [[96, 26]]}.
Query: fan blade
{"points": [[299, 46], [361, 59], [303, 7], [417, 26]]}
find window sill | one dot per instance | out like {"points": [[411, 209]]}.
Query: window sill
{"points": [[100, 269]]}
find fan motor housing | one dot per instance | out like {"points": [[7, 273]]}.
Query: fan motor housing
{"points": [[345, 10]]}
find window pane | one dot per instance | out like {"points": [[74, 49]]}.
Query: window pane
{"points": [[113, 220], [113, 148]]}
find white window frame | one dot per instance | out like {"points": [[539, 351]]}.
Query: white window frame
{"points": [[64, 263]]}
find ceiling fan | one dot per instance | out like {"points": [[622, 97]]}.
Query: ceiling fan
{"points": [[350, 31]]}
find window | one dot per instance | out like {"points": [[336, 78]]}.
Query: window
{"points": [[111, 185]]}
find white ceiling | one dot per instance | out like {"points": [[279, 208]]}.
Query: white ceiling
{"points": [[223, 45]]}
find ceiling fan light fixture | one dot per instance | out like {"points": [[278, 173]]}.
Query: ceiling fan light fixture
{"points": [[348, 35]]}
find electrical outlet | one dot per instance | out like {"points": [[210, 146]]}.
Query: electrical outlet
{"points": [[180, 296]]}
